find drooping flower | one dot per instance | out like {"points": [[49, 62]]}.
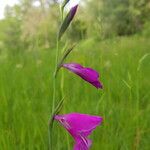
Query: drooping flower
{"points": [[87, 74], [80, 126]]}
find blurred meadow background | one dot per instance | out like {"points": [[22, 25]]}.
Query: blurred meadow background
{"points": [[112, 36]]}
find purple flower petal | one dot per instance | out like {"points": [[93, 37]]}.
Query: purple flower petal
{"points": [[83, 144], [80, 126], [87, 74]]}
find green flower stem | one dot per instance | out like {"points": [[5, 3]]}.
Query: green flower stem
{"points": [[62, 79], [53, 112], [54, 76], [62, 94], [50, 135], [62, 13], [54, 98]]}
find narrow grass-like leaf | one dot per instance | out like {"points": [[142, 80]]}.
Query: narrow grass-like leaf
{"points": [[64, 4], [141, 60], [67, 52], [67, 21], [56, 111], [51, 120], [59, 107]]}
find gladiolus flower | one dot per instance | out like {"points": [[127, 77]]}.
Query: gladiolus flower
{"points": [[87, 74], [80, 126]]}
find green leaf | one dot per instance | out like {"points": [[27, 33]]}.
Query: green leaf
{"points": [[56, 111], [67, 52], [64, 4]]}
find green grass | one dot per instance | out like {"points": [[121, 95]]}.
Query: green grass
{"points": [[26, 96]]}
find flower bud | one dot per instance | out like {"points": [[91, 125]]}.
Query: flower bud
{"points": [[67, 21]]}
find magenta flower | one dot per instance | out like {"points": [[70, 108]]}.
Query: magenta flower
{"points": [[87, 74], [80, 126]]}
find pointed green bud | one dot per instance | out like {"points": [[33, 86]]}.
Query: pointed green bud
{"points": [[65, 24]]}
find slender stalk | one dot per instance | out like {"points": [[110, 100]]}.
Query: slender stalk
{"points": [[50, 137], [62, 83], [61, 12], [50, 128], [54, 77], [54, 91], [62, 95], [54, 98]]}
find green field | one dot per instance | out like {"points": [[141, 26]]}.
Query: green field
{"points": [[26, 95]]}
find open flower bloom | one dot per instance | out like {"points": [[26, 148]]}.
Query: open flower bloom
{"points": [[87, 74], [80, 126]]}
